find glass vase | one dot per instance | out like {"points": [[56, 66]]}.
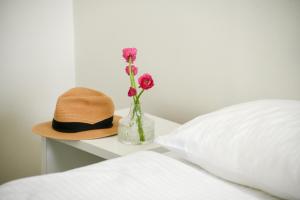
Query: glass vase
{"points": [[136, 128]]}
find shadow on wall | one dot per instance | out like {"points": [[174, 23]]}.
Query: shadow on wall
{"points": [[17, 139]]}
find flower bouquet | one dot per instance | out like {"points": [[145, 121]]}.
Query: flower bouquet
{"points": [[136, 128]]}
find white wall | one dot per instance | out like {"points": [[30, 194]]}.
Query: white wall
{"points": [[203, 54], [36, 65]]}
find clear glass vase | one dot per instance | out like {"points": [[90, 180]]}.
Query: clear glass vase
{"points": [[136, 128]]}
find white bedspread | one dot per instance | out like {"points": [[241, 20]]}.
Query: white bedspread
{"points": [[140, 176]]}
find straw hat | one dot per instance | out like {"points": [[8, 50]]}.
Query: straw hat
{"points": [[81, 113]]}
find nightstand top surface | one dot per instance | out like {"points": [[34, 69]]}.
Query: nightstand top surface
{"points": [[110, 147]]}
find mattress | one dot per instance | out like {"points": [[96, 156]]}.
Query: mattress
{"points": [[143, 175]]}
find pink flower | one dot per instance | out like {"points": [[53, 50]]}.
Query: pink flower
{"points": [[146, 81], [131, 92], [129, 53], [133, 68]]}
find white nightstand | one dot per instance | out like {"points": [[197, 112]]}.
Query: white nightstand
{"points": [[61, 155]]}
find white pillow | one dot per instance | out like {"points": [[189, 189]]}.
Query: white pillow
{"points": [[255, 144]]}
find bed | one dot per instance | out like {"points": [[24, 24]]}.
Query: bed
{"points": [[144, 175], [249, 151]]}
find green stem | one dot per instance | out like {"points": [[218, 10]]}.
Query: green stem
{"points": [[139, 121], [133, 85], [140, 129], [136, 104], [131, 75], [138, 97]]}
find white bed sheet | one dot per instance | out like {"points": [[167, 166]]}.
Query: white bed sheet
{"points": [[259, 195], [143, 175]]}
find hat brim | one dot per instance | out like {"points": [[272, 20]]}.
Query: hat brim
{"points": [[45, 129]]}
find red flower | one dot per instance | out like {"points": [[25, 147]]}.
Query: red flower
{"points": [[133, 68], [146, 81], [129, 53], [131, 92]]}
